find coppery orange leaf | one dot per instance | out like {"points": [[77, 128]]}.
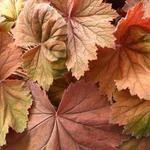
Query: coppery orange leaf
{"points": [[129, 65]]}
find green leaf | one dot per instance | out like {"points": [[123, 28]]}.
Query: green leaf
{"points": [[139, 126]]}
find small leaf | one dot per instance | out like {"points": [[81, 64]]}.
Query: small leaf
{"points": [[57, 89], [41, 29], [131, 112], [9, 12], [81, 122]]}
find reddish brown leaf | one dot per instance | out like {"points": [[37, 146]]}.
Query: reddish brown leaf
{"points": [[9, 57], [80, 123], [5, 39]]}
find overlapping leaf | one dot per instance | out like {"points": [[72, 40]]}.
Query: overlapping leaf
{"points": [[105, 70], [9, 11], [81, 122], [136, 51], [9, 57], [41, 28], [14, 98], [129, 64], [14, 103], [132, 112], [88, 25]]}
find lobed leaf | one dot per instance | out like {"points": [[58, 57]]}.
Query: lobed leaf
{"points": [[43, 31], [135, 70], [15, 101], [129, 65], [81, 122], [131, 112], [88, 23]]}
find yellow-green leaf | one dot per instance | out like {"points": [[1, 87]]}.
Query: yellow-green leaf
{"points": [[41, 69], [9, 12], [42, 31], [132, 112], [15, 101]]}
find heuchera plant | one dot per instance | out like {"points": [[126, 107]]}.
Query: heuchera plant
{"points": [[74, 75]]}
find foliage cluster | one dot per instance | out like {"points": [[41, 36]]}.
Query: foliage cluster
{"points": [[74, 75]]}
